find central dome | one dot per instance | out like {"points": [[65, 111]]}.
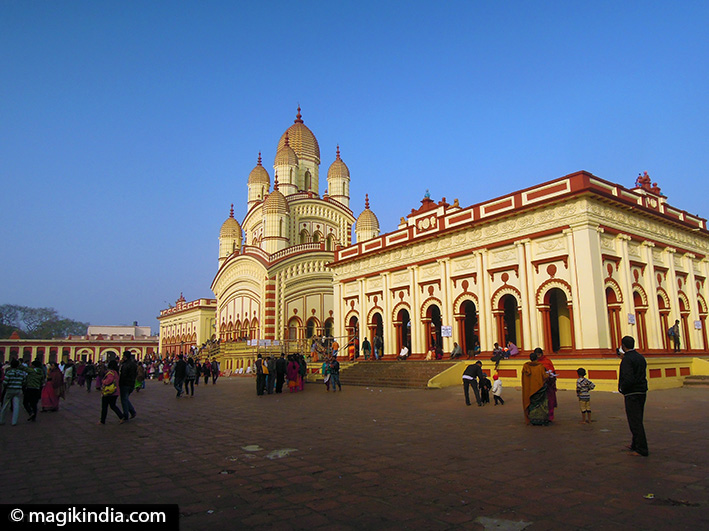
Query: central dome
{"points": [[302, 140]]}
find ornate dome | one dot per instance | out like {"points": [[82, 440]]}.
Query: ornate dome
{"points": [[231, 227], [338, 168], [275, 202], [367, 220], [285, 154], [302, 140], [259, 175]]}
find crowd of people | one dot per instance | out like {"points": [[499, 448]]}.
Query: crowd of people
{"points": [[273, 372]]}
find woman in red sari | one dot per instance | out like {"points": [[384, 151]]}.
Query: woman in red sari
{"points": [[551, 381], [54, 388]]}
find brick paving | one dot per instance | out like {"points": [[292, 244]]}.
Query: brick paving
{"points": [[368, 458]]}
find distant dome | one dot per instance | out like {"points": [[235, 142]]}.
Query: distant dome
{"points": [[275, 202], [285, 154], [259, 175], [338, 168], [302, 140], [230, 228], [367, 220]]}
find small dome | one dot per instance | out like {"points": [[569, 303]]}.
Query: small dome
{"points": [[275, 202], [231, 227], [286, 155], [259, 175], [367, 220], [302, 140], [338, 168]]}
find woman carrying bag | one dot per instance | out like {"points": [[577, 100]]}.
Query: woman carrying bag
{"points": [[109, 392]]}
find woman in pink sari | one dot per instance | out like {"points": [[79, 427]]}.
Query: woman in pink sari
{"points": [[54, 389]]}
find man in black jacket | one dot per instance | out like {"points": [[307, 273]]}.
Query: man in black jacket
{"points": [[180, 374], [632, 383], [281, 365], [126, 383], [471, 376]]}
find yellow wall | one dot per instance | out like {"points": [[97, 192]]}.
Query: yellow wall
{"points": [[663, 373]]}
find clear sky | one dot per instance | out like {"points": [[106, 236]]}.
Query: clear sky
{"points": [[127, 128]]}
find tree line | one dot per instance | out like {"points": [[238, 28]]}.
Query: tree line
{"points": [[37, 323]]}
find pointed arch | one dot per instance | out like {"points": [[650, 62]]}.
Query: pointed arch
{"points": [[458, 303], [401, 306], [428, 303], [637, 288]]}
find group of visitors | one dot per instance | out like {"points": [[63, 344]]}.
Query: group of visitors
{"points": [[187, 373], [539, 399], [35, 382], [272, 373]]}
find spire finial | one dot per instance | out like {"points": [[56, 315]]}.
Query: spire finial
{"points": [[259, 158], [298, 117], [231, 212], [366, 201], [338, 152]]}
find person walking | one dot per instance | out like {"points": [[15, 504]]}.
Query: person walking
{"points": [[550, 382], [33, 388], [215, 371], [179, 374], [260, 375], [632, 384], [190, 375], [535, 402], [126, 384], [89, 375], [366, 348], [12, 384], [497, 390], [110, 392], [472, 375], [281, 365], [335, 374]]}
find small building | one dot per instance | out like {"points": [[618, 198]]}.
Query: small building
{"points": [[187, 325], [570, 265], [92, 347]]}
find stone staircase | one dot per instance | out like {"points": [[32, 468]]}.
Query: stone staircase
{"points": [[402, 374], [696, 381]]}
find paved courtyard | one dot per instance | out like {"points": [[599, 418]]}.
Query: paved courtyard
{"points": [[368, 458]]}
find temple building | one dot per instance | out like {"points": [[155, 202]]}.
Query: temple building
{"points": [[570, 265], [273, 282]]}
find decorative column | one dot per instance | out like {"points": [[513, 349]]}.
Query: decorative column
{"points": [[418, 334], [691, 291], [592, 323], [447, 310], [485, 316], [528, 301], [627, 287]]}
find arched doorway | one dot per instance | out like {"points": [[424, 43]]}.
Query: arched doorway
{"points": [[328, 327], [352, 328], [684, 320], [664, 310], [613, 306], [468, 327], [376, 330], [311, 327], [559, 324], [433, 326], [293, 327], [509, 322], [403, 330]]}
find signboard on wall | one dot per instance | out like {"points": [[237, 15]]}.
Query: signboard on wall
{"points": [[446, 331]]}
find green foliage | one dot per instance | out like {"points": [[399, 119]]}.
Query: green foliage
{"points": [[37, 323]]}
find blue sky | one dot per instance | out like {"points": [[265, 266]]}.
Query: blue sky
{"points": [[128, 128]]}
